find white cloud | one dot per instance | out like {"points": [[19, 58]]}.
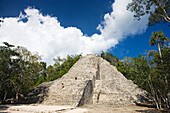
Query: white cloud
{"points": [[45, 35], [120, 23]]}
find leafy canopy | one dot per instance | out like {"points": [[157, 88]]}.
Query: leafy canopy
{"points": [[158, 10]]}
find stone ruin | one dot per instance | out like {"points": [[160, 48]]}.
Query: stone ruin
{"points": [[91, 80]]}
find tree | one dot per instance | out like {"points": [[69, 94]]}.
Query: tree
{"points": [[159, 77], [109, 57], [60, 67], [6, 71], [18, 70], [158, 10], [135, 69], [149, 73], [159, 39]]}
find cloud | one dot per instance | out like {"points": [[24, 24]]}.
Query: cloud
{"points": [[120, 23], [45, 35]]}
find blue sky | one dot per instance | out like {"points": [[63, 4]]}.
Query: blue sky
{"points": [[84, 14], [82, 18]]}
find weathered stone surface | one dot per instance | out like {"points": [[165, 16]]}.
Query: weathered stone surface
{"points": [[37, 94], [92, 80]]}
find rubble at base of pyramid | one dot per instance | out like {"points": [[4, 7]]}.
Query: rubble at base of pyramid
{"points": [[91, 80]]}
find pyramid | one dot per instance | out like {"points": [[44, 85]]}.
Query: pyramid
{"points": [[91, 80]]}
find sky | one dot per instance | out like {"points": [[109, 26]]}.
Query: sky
{"points": [[68, 27]]}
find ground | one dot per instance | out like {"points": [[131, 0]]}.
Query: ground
{"points": [[69, 109]]}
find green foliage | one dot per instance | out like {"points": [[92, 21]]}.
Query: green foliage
{"points": [[109, 57], [60, 67], [159, 76], [18, 69], [135, 69], [158, 10], [158, 38], [140, 71]]}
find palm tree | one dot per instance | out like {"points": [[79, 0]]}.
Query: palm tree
{"points": [[158, 38]]}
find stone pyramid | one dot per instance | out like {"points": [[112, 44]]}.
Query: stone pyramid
{"points": [[92, 80]]}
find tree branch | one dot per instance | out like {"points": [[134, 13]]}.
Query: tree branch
{"points": [[166, 14], [166, 17]]}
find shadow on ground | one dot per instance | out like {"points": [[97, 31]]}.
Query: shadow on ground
{"points": [[3, 107], [153, 111]]}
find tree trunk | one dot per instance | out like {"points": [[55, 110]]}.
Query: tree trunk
{"points": [[159, 51], [164, 100], [16, 96], [158, 100], [5, 95], [166, 81], [153, 95]]}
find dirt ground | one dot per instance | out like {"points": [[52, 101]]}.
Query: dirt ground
{"points": [[70, 109], [122, 109]]}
